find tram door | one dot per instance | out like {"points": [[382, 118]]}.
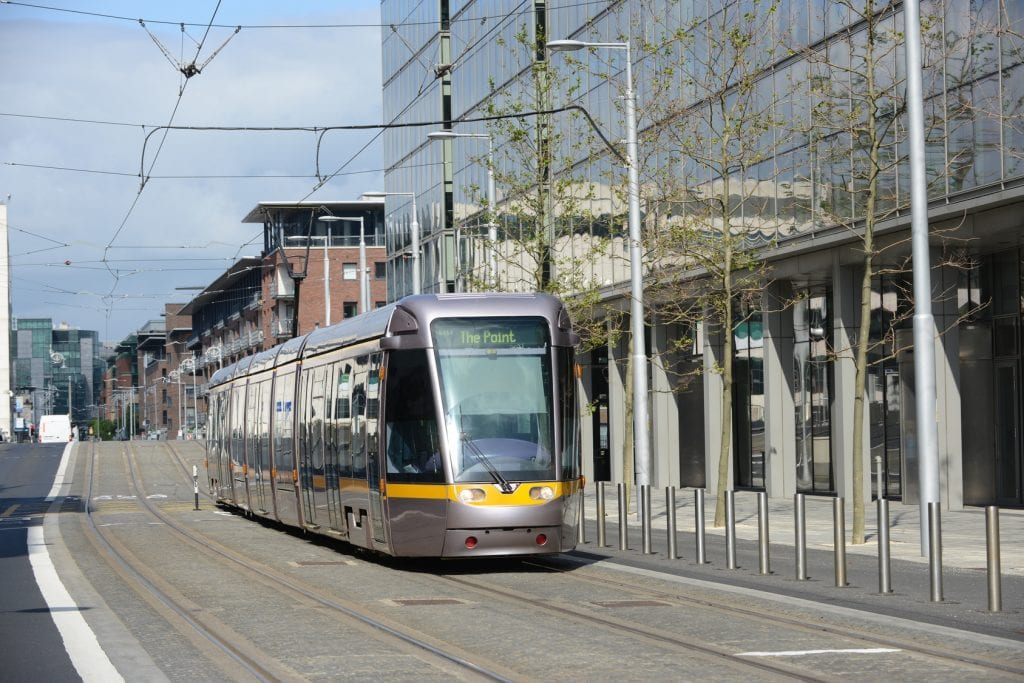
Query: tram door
{"points": [[283, 464], [259, 461], [220, 472], [236, 459], [314, 483], [373, 469], [332, 467]]}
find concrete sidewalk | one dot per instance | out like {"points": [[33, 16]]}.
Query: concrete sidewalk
{"points": [[963, 532]]}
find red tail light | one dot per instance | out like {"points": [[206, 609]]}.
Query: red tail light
{"points": [[470, 542], [542, 539]]}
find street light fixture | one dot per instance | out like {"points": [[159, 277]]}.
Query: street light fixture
{"points": [[414, 228], [364, 294], [640, 429], [492, 227]]}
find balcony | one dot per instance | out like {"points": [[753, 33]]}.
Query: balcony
{"points": [[281, 327], [284, 290]]}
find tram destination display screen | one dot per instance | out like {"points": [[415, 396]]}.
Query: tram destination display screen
{"points": [[490, 334]]}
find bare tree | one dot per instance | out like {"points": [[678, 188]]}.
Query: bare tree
{"points": [[714, 107], [857, 131]]}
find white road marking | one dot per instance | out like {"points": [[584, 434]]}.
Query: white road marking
{"points": [[803, 653], [88, 658], [58, 481]]}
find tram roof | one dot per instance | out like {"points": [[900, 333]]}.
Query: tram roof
{"points": [[409, 317]]}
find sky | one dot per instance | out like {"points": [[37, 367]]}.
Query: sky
{"points": [[85, 90]]}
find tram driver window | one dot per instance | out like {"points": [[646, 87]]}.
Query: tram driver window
{"points": [[412, 443]]}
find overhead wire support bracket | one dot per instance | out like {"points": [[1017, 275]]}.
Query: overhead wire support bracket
{"points": [[191, 69]]}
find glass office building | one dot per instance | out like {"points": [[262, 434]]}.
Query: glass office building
{"points": [[762, 108], [55, 368]]}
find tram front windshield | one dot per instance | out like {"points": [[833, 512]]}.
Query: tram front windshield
{"points": [[496, 386]]}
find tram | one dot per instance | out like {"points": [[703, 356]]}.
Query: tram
{"points": [[437, 426]]}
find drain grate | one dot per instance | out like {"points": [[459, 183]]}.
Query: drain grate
{"points": [[426, 602], [614, 604]]}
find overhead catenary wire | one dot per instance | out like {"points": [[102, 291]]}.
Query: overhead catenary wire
{"points": [[135, 200], [352, 25], [146, 169]]}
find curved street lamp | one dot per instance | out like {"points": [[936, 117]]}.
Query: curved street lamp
{"points": [[640, 429]]}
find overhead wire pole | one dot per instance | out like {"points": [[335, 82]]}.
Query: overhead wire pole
{"points": [[924, 322]]}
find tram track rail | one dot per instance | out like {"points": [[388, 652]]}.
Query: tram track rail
{"points": [[688, 647], [891, 640], [624, 626], [431, 651], [124, 563]]}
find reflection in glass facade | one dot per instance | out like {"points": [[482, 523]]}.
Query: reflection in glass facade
{"points": [[748, 402], [812, 392], [891, 310]]}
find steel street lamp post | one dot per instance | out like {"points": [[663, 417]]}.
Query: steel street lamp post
{"points": [[640, 429]]}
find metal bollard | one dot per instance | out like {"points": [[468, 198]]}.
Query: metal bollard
{"points": [[800, 526], [935, 550], [730, 529], [884, 565], [670, 511], [623, 529], [601, 531], [645, 518], [581, 535], [839, 539], [764, 559], [995, 590], [698, 526]]}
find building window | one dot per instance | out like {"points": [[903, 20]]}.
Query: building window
{"points": [[349, 309], [812, 392], [349, 271], [380, 270], [748, 400]]}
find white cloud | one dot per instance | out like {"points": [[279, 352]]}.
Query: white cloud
{"points": [[181, 232]]}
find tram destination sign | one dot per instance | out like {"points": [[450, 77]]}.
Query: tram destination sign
{"points": [[490, 333]]}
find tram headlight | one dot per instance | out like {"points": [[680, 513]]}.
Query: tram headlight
{"points": [[472, 495], [542, 493]]}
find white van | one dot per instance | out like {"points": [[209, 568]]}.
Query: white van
{"points": [[54, 429]]}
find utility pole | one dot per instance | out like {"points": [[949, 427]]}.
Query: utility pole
{"points": [[5, 325]]}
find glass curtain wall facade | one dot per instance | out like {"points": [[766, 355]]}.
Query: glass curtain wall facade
{"points": [[800, 184], [55, 366]]}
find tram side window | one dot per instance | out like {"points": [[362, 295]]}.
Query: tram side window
{"points": [[284, 391], [358, 422], [343, 418], [410, 420], [237, 423]]}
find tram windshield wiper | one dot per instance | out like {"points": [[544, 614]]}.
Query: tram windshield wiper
{"points": [[501, 481]]}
